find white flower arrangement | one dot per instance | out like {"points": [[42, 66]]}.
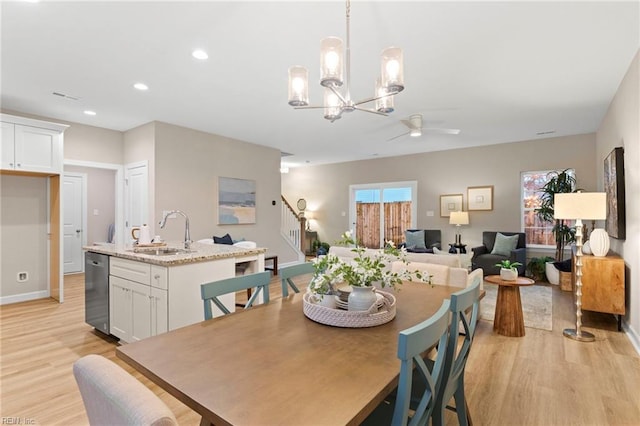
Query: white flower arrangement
{"points": [[363, 270]]}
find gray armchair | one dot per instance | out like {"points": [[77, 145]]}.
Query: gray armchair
{"points": [[482, 257]]}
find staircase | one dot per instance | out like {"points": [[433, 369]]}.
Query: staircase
{"points": [[293, 227]]}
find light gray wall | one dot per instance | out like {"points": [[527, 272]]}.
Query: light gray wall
{"points": [[326, 188], [23, 237], [621, 127], [101, 198], [188, 164]]}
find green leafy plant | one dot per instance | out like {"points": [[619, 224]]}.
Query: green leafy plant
{"points": [[507, 264], [558, 183], [320, 247], [537, 267], [367, 267]]}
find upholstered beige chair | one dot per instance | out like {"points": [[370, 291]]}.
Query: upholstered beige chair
{"points": [[112, 396]]}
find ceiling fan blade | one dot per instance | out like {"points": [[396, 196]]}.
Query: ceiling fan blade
{"points": [[409, 124], [399, 136], [442, 131]]}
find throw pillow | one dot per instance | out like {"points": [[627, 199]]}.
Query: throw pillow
{"points": [[225, 239], [504, 244], [415, 240], [436, 250]]}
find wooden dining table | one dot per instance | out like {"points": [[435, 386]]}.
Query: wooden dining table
{"points": [[271, 365]]}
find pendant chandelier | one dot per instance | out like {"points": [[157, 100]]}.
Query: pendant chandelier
{"points": [[335, 77]]}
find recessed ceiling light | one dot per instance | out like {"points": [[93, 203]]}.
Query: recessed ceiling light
{"points": [[141, 86], [89, 112], [200, 54]]}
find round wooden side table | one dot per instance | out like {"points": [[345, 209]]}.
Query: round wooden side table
{"points": [[508, 319]]}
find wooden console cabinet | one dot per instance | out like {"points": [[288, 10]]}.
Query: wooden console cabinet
{"points": [[603, 285]]}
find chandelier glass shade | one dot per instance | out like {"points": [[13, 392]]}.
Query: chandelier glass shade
{"points": [[335, 75]]}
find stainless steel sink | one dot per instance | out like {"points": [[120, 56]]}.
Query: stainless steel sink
{"points": [[168, 251]]}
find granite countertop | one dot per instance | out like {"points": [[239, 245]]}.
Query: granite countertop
{"points": [[199, 253]]}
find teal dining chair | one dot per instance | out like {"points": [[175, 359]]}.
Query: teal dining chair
{"points": [[210, 291], [288, 272], [464, 309], [412, 343]]}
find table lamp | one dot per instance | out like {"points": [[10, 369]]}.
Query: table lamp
{"points": [[578, 206], [458, 219]]}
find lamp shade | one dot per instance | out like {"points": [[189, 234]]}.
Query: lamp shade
{"points": [[459, 218], [298, 86], [580, 205]]}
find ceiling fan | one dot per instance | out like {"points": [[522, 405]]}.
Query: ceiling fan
{"points": [[414, 124]]}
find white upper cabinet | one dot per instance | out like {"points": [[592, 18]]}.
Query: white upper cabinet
{"points": [[31, 145], [7, 151]]}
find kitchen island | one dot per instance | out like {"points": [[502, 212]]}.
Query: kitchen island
{"points": [[155, 289]]}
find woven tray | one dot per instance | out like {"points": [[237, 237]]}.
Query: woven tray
{"points": [[351, 319]]}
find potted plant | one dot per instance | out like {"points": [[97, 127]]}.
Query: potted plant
{"points": [[537, 267], [320, 248], [508, 269], [369, 267], [558, 183]]}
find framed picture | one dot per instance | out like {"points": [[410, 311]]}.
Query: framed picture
{"points": [[450, 203], [480, 197], [615, 224], [236, 201]]}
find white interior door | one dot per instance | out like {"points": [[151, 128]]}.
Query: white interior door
{"points": [[74, 235], [136, 196]]}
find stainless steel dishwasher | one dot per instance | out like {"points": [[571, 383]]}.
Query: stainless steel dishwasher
{"points": [[96, 291]]}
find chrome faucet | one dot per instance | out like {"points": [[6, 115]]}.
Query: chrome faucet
{"points": [[187, 236]]}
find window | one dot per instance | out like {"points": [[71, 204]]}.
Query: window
{"points": [[539, 233], [382, 212]]}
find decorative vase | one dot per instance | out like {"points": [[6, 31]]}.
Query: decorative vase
{"points": [[599, 242], [553, 275], [586, 248], [361, 298], [508, 274], [326, 300]]}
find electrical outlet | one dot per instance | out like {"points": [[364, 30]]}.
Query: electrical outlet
{"points": [[429, 213], [22, 277], [96, 212]]}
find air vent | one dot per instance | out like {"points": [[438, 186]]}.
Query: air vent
{"points": [[548, 132], [285, 154], [69, 97]]}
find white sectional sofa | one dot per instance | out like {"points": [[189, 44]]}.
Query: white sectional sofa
{"points": [[444, 268]]}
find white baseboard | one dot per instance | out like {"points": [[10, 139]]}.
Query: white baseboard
{"points": [[15, 298], [633, 336]]}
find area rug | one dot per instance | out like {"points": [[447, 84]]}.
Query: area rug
{"points": [[536, 301]]}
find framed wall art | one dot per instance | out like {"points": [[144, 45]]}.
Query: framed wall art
{"points": [[450, 203], [480, 197], [615, 224], [236, 201]]}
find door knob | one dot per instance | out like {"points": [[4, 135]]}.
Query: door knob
{"points": [[78, 231]]}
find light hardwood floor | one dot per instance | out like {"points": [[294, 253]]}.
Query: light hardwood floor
{"points": [[540, 379]]}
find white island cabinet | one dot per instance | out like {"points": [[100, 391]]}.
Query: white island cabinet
{"points": [[149, 294], [137, 299]]}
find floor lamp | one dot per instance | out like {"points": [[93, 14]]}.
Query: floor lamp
{"points": [[457, 219], [578, 206]]}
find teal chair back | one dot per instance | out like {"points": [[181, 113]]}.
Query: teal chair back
{"points": [[419, 381], [288, 272], [412, 343], [210, 291], [465, 307]]}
